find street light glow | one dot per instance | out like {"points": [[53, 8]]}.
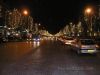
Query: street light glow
{"points": [[88, 10], [25, 12]]}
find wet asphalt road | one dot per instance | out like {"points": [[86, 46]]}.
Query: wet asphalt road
{"points": [[45, 58]]}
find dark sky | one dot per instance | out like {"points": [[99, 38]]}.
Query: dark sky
{"points": [[53, 14]]}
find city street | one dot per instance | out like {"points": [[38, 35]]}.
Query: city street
{"points": [[45, 58]]}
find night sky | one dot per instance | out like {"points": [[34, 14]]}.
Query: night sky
{"points": [[53, 14]]}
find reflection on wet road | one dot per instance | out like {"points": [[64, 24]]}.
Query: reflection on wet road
{"points": [[49, 58], [13, 51]]}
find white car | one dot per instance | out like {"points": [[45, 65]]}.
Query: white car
{"points": [[86, 46], [69, 41]]}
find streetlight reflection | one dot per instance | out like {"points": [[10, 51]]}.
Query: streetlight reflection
{"points": [[36, 44]]}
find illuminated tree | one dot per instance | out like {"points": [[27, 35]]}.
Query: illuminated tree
{"points": [[13, 18], [79, 28], [66, 30]]}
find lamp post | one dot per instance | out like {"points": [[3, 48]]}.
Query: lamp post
{"points": [[89, 13], [25, 18]]}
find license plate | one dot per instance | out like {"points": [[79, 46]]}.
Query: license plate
{"points": [[90, 51], [84, 51]]}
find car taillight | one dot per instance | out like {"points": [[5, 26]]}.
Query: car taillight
{"points": [[77, 45], [82, 46], [97, 46]]}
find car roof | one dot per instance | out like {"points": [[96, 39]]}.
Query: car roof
{"points": [[86, 39]]}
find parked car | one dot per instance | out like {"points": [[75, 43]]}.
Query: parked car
{"points": [[69, 40], [86, 46]]}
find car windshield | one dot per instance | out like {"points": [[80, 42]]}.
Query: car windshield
{"points": [[69, 38], [87, 42]]}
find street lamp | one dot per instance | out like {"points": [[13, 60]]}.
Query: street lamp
{"points": [[88, 13], [25, 12]]}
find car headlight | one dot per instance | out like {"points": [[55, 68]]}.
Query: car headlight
{"points": [[38, 39]]}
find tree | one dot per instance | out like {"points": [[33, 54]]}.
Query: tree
{"points": [[13, 18]]}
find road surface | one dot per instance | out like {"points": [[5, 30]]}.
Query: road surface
{"points": [[45, 58]]}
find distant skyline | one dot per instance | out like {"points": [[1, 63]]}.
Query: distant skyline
{"points": [[53, 14]]}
